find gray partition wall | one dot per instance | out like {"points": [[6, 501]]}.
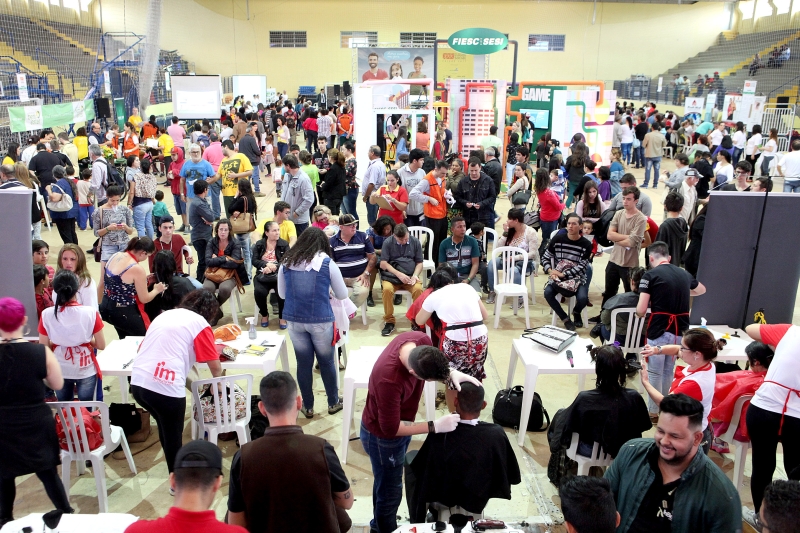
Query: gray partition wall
{"points": [[16, 261], [729, 247]]}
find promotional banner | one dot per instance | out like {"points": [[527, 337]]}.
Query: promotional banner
{"points": [[22, 84], [660, 84], [731, 107], [107, 82], [579, 112], [748, 101], [27, 118], [460, 66], [749, 87], [757, 112], [390, 63], [693, 105], [710, 100]]}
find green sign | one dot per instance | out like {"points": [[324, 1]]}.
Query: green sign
{"points": [[37, 117], [477, 41]]}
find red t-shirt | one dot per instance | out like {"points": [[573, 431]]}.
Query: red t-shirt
{"points": [[401, 195], [652, 229], [773, 333], [394, 393], [175, 246], [180, 521]]}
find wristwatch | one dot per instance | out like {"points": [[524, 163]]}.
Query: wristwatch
{"points": [[431, 427]]}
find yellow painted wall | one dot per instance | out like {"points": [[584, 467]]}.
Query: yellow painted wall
{"points": [[753, 16], [625, 39]]}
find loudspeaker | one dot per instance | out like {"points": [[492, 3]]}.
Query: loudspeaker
{"points": [[116, 83], [346, 87], [337, 90], [103, 108]]}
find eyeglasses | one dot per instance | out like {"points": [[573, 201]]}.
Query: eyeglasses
{"points": [[685, 349], [741, 172]]}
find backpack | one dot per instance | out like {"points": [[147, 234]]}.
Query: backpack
{"points": [[258, 422], [113, 176], [291, 119], [601, 228], [507, 410]]}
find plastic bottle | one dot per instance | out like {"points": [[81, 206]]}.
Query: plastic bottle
{"points": [[703, 322], [252, 332]]}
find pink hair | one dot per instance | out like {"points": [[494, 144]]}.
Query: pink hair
{"points": [[12, 314]]}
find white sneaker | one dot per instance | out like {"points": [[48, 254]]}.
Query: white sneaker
{"points": [[752, 518]]}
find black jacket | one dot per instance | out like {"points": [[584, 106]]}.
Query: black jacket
{"points": [[233, 250], [333, 184], [481, 191], [259, 249], [238, 205], [494, 169]]}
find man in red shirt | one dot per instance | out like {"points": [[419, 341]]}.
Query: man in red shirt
{"points": [[374, 73], [173, 243], [395, 387], [195, 481]]}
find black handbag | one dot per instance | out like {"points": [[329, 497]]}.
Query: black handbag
{"points": [[507, 410], [126, 416], [521, 197]]}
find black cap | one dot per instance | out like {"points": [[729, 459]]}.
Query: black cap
{"points": [[199, 454]]}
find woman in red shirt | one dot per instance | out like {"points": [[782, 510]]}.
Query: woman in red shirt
{"points": [[310, 127], [396, 196], [178, 194], [697, 349], [550, 207]]}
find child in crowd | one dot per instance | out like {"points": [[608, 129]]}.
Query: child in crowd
{"points": [[674, 229], [40, 252], [558, 181], [159, 210], [511, 159], [85, 200], [41, 286], [604, 188], [277, 176], [617, 171], [588, 233], [476, 230], [269, 153]]}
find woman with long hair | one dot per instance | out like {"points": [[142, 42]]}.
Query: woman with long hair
{"points": [[769, 151], [516, 233], [141, 198], [268, 254], [223, 251], [244, 202], [444, 275], [130, 141], [311, 130], [591, 206], [519, 183], [350, 201], [401, 142], [72, 258], [305, 280], [81, 142], [73, 331], [395, 195], [113, 226], [64, 220], [12, 154], [626, 140], [282, 135], [332, 185], [698, 348], [423, 138], [125, 289], [575, 168], [739, 142], [25, 177], [752, 149], [610, 414], [164, 269], [29, 444], [550, 206]]}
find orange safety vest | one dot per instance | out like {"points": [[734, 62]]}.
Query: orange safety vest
{"points": [[129, 147], [436, 192]]}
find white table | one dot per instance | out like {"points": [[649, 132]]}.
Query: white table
{"points": [[539, 360], [75, 523], [117, 358], [428, 527], [734, 350]]}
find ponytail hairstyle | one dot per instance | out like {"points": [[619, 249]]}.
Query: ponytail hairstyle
{"points": [[164, 268], [439, 279], [610, 367], [141, 244], [703, 341], [65, 287]]}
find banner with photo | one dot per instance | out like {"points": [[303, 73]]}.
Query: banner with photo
{"points": [[460, 66], [36, 117], [397, 63], [694, 105]]}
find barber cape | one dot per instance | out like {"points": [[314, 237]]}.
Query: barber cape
{"points": [[465, 467]]}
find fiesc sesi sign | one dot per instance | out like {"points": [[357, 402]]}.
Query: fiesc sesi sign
{"points": [[477, 41]]}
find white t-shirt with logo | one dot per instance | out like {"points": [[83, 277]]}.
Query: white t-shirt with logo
{"points": [[174, 342], [70, 336]]}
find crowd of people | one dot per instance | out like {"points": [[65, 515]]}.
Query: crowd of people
{"points": [[428, 219]]}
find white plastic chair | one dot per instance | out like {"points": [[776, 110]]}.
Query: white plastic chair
{"points": [[740, 455], [571, 301], [362, 310], [69, 413], [428, 265], [598, 458], [634, 338], [224, 408], [47, 221], [505, 286], [668, 150]]}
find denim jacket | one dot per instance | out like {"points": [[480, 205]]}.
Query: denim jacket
{"points": [[705, 501]]}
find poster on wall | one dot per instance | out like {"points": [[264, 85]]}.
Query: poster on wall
{"points": [[757, 111], [710, 101], [580, 112], [731, 107], [694, 105], [22, 85], [397, 63], [460, 66]]}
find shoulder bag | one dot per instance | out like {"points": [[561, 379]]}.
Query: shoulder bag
{"points": [[220, 275], [63, 205], [245, 223], [521, 197], [507, 410], [97, 247]]}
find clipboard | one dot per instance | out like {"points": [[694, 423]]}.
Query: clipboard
{"points": [[382, 203]]}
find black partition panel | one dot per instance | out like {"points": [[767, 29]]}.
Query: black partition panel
{"points": [[16, 261], [726, 259]]}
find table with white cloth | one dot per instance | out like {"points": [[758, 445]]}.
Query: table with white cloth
{"points": [[540, 360], [117, 358], [429, 527], [75, 523]]}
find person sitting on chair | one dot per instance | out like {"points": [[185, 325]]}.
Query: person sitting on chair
{"points": [[618, 301], [588, 505], [465, 467], [610, 414]]}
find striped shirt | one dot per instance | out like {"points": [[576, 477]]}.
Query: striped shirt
{"points": [[324, 124], [561, 247], [351, 257]]}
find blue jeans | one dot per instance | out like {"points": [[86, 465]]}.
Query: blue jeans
{"points": [[638, 156], [350, 203], [214, 190], [492, 265], [300, 227], [143, 219], [791, 185], [547, 228], [244, 242], [626, 152], [387, 457], [283, 149], [85, 386], [372, 214], [661, 368], [655, 164], [255, 177], [581, 299], [309, 340], [85, 215], [737, 154]]}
